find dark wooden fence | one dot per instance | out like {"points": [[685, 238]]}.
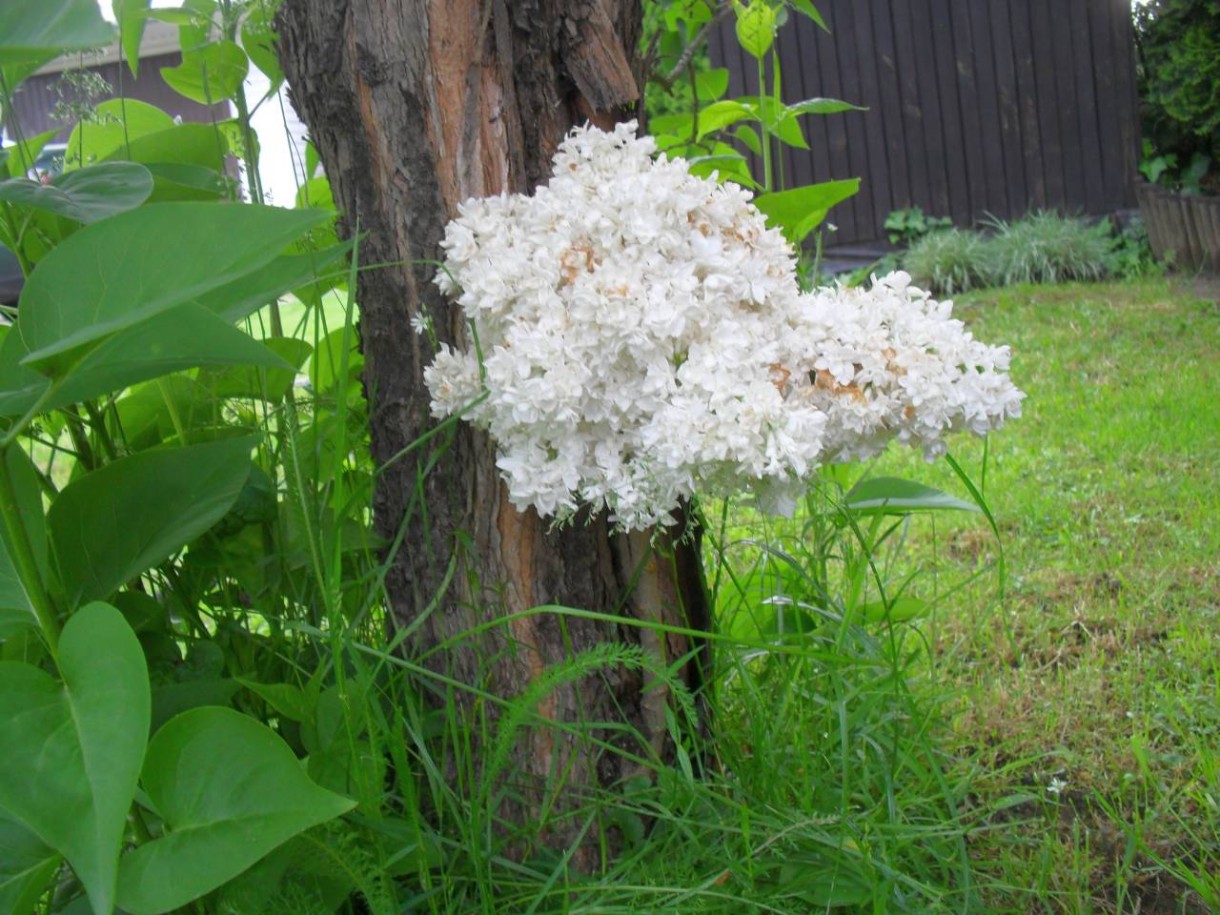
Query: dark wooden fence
{"points": [[975, 107]]}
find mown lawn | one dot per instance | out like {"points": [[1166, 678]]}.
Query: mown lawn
{"points": [[1084, 688]]}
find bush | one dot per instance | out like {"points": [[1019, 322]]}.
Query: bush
{"points": [[1041, 248], [947, 262], [1048, 248], [1179, 85]]}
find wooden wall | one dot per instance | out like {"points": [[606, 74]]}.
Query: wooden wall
{"points": [[975, 107], [36, 98]]}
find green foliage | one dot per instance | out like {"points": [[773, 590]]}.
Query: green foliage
{"points": [[1047, 248], [214, 826], [949, 261], [802, 209], [83, 196], [1179, 84], [30, 31], [905, 227], [26, 867], [72, 749], [717, 135], [107, 528], [144, 435], [209, 74], [184, 436], [1041, 248], [1133, 257]]}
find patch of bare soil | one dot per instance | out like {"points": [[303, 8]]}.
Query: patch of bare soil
{"points": [[1204, 286]]}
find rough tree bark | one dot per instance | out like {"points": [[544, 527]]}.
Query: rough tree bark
{"points": [[415, 106]]}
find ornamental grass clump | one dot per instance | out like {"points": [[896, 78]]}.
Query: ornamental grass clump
{"points": [[641, 336], [1048, 248], [948, 261]]}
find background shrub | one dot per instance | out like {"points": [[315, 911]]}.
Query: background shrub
{"points": [[1179, 84], [1047, 248], [1041, 248], [947, 262]]}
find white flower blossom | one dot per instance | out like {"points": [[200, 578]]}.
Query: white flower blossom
{"points": [[643, 337]]}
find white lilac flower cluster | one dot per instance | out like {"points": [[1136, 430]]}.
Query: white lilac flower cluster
{"points": [[643, 337]]}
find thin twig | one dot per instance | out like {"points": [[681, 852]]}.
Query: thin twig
{"points": [[688, 53]]}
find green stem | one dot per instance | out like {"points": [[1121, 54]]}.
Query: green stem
{"points": [[777, 94], [250, 144], [80, 439], [97, 420], [22, 556], [171, 407], [763, 133]]}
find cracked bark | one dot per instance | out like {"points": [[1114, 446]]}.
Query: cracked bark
{"points": [[416, 105]]}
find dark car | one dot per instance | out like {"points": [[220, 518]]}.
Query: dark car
{"points": [[49, 162]]}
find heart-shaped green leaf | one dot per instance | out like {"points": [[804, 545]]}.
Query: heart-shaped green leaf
{"points": [[118, 521], [721, 114], [801, 210], [230, 791], [712, 84], [71, 751], [137, 264], [209, 74], [820, 106], [184, 337], [85, 195], [200, 145], [27, 865], [899, 610], [806, 7], [119, 122]]}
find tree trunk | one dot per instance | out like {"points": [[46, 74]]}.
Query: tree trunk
{"points": [[415, 106]]}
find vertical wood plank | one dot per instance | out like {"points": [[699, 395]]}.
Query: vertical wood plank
{"points": [[1048, 89], [1066, 105], [802, 80], [1027, 105], [903, 143], [1105, 62], [983, 55], [854, 222], [1007, 107], [878, 168], [1087, 98], [1126, 97], [914, 107], [951, 112], [848, 217]]}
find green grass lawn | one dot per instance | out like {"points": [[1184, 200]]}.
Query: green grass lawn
{"points": [[1084, 702]]}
